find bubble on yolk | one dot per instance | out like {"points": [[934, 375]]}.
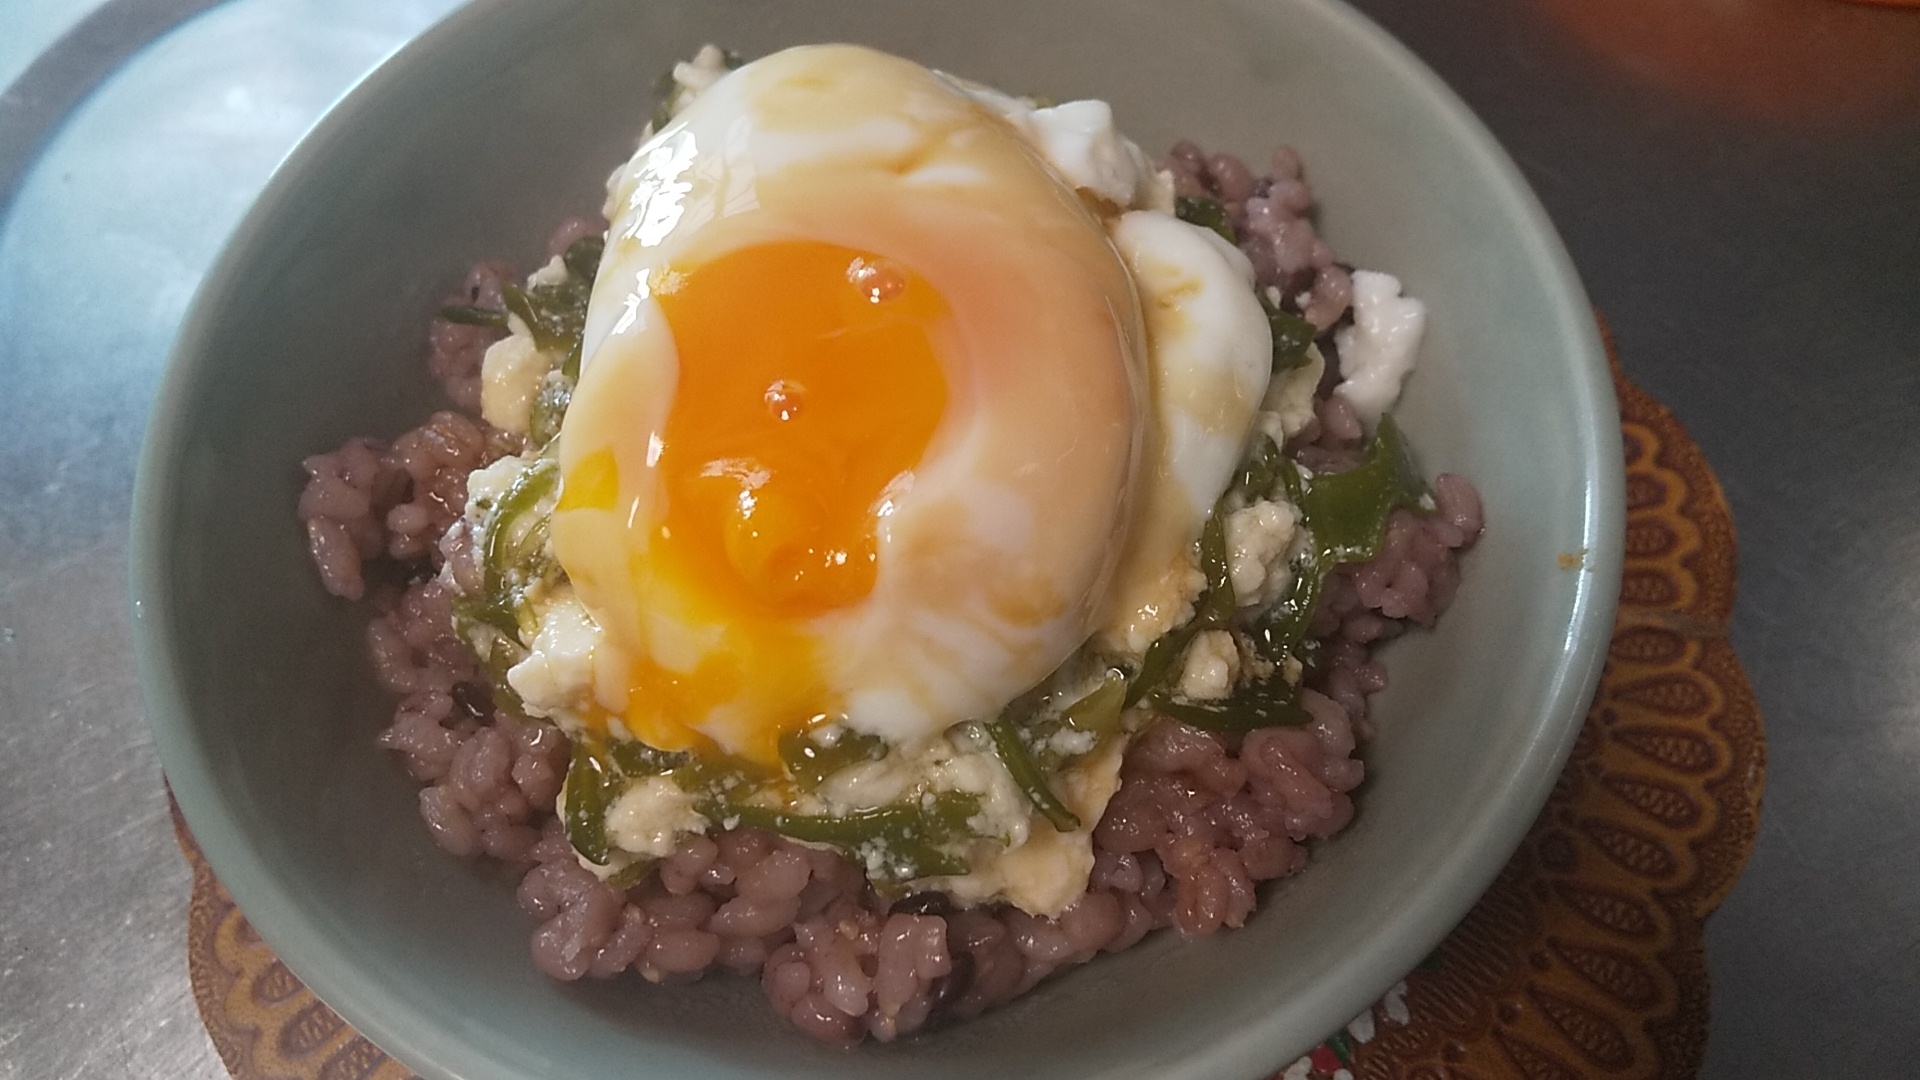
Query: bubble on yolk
{"points": [[810, 380]]}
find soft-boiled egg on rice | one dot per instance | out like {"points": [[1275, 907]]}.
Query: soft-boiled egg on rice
{"points": [[859, 426], [899, 398]]}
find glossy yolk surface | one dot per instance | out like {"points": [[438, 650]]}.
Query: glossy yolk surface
{"points": [[810, 378]]}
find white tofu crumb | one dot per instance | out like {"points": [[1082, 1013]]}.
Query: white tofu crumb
{"points": [[868, 783], [1212, 664], [554, 273], [1377, 351], [1067, 742], [558, 670], [1288, 406], [486, 486], [510, 378], [1079, 140], [694, 76], [1044, 871], [1259, 539], [1004, 809], [650, 817], [935, 765]]}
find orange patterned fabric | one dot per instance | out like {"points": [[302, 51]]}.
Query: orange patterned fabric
{"points": [[264, 1023], [1585, 959]]}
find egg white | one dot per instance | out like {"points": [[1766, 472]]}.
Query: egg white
{"points": [[1210, 355], [995, 553]]}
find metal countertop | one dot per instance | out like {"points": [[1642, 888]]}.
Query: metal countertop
{"points": [[1738, 182]]}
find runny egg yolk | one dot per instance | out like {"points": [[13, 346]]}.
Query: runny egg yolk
{"points": [[858, 419], [810, 379], [795, 411]]}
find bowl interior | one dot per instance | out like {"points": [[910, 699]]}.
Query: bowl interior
{"points": [[472, 144]]}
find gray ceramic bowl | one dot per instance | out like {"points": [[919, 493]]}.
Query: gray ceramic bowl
{"points": [[471, 144]]}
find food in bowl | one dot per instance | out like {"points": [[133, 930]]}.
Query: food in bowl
{"points": [[912, 544]]}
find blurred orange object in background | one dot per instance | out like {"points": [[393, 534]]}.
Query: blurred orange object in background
{"points": [[1784, 60]]}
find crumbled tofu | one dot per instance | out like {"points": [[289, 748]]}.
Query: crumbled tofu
{"points": [[1259, 541], [1004, 809], [1068, 743], [554, 273], [558, 671], [869, 783], [1211, 666], [691, 77], [1078, 138], [938, 764], [1080, 141], [510, 378], [1027, 863], [485, 486], [650, 817], [1046, 871], [1377, 351], [1288, 406]]}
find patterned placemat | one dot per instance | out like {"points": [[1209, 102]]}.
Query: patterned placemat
{"points": [[1584, 961]]}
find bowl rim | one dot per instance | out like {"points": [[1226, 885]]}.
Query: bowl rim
{"points": [[1432, 906]]}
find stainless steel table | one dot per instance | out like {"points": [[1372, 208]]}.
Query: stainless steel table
{"points": [[1738, 180]]}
